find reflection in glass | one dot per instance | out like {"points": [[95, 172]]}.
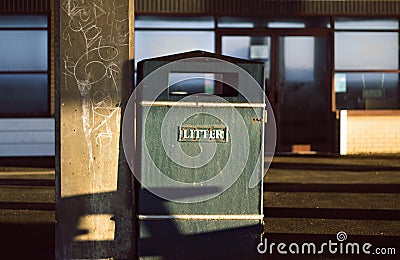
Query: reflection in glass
{"points": [[236, 46], [248, 47], [184, 83], [298, 65], [150, 44], [366, 24], [251, 22], [23, 50], [286, 25], [235, 22], [24, 94], [368, 91], [366, 50], [23, 21], [204, 22]]}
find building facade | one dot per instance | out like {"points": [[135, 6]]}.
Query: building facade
{"points": [[332, 67]]}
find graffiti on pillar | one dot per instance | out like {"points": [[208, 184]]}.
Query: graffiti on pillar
{"points": [[95, 33]]}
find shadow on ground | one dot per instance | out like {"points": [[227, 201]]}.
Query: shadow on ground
{"points": [[34, 239]]}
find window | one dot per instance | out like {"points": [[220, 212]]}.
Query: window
{"points": [[366, 63], [176, 22], [273, 23], [24, 73], [159, 36], [248, 47], [188, 83], [154, 43]]}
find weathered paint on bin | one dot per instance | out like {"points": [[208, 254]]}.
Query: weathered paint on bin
{"points": [[229, 224]]}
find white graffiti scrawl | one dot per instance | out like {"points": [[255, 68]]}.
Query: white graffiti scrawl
{"points": [[94, 37]]}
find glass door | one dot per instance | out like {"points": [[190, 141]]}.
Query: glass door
{"points": [[303, 94], [298, 85]]}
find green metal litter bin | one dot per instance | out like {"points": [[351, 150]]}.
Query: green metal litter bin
{"points": [[199, 131]]}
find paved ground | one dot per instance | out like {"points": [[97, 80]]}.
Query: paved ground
{"points": [[27, 214], [313, 198], [307, 198]]}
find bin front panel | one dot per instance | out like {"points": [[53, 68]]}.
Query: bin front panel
{"points": [[160, 153]]}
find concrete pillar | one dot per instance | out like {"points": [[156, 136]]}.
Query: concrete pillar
{"points": [[94, 191]]}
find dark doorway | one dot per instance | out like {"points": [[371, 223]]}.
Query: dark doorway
{"points": [[298, 82], [303, 94]]}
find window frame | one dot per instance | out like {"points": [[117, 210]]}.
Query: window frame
{"points": [[46, 72], [359, 30]]}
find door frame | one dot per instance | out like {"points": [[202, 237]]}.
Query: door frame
{"points": [[274, 93]]}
